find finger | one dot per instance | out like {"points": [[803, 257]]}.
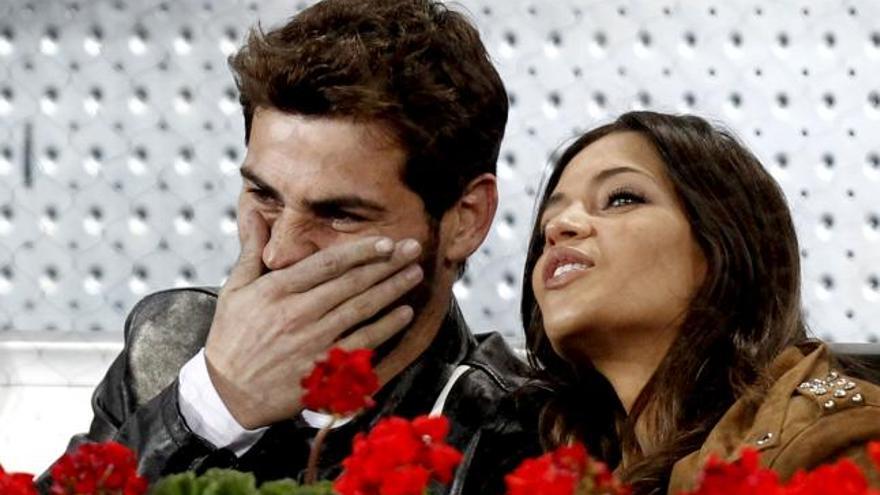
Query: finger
{"points": [[375, 334], [254, 234], [332, 293], [365, 305], [337, 260]]}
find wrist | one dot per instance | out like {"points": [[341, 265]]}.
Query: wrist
{"points": [[239, 404], [204, 412]]}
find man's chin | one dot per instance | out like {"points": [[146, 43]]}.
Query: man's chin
{"points": [[418, 298], [385, 348]]}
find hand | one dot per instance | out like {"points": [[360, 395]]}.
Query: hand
{"points": [[269, 329]]}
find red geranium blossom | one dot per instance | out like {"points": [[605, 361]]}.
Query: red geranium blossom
{"points": [[744, 476], [841, 478], [399, 457], [108, 468], [564, 471], [342, 384], [16, 483], [874, 453]]}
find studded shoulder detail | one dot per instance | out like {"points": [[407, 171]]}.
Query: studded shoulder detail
{"points": [[833, 392]]}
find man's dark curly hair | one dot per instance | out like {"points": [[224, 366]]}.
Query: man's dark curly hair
{"points": [[413, 65]]}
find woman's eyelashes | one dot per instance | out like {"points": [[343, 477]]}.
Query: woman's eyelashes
{"points": [[623, 196]]}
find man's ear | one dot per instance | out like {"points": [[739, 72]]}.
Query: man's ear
{"points": [[467, 223]]}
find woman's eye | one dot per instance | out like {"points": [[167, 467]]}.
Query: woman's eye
{"points": [[624, 198]]}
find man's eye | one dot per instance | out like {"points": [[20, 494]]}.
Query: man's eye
{"points": [[342, 218], [346, 217], [261, 194]]}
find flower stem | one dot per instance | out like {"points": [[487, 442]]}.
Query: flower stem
{"points": [[315, 453]]}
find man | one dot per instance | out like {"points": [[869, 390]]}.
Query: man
{"points": [[372, 128]]}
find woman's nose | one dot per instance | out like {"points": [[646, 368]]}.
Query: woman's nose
{"points": [[568, 227]]}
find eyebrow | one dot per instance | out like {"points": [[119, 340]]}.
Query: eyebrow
{"points": [[318, 205], [621, 169], [604, 175], [253, 177], [335, 203]]}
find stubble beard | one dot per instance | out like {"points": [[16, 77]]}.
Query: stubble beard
{"points": [[418, 298]]}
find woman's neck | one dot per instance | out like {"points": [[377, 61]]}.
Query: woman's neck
{"points": [[628, 358], [628, 378]]}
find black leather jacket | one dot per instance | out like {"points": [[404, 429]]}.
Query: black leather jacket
{"points": [[137, 402]]}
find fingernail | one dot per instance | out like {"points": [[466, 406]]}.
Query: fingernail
{"points": [[414, 272], [406, 312], [384, 245], [410, 247]]}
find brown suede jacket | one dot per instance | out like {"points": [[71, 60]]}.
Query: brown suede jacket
{"points": [[812, 415]]}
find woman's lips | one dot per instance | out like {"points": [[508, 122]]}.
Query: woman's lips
{"points": [[565, 264]]}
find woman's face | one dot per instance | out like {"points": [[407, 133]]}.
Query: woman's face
{"points": [[619, 264]]}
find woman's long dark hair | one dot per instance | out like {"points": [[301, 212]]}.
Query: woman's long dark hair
{"points": [[746, 312]]}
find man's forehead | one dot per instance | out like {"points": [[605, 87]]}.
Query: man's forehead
{"points": [[329, 141], [364, 135]]}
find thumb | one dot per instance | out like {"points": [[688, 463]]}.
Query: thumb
{"points": [[253, 236]]}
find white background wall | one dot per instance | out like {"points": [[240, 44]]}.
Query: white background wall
{"points": [[45, 387], [120, 140]]}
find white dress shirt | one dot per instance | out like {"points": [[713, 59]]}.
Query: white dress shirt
{"points": [[206, 414], [208, 417]]}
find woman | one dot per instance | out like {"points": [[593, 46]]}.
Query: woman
{"points": [[664, 305]]}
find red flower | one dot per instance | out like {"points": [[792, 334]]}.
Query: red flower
{"points": [[874, 453], [841, 478], [108, 468], [16, 483], [341, 384], [565, 471], [440, 457], [399, 457], [541, 476], [744, 476]]}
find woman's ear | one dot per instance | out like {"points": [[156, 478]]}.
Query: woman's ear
{"points": [[466, 225]]}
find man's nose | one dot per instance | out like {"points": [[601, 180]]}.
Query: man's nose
{"points": [[567, 226], [289, 242]]}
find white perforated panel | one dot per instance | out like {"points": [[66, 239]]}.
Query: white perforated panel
{"points": [[120, 137]]}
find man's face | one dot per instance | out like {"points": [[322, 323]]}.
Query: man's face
{"points": [[319, 181]]}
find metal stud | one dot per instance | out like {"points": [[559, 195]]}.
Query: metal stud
{"points": [[764, 440], [829, 404], [833, 382], [857, 399]]}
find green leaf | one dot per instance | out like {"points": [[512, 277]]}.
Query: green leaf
{"points": [[289, 487], [213, 482], [280, 487], [231, 482], [178, 484]]}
